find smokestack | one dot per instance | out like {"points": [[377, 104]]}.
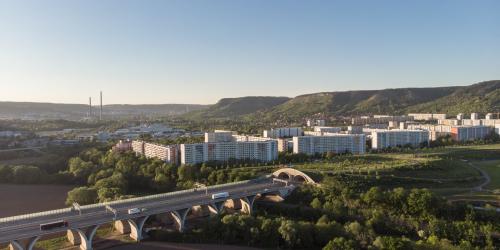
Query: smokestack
{"points": [[90, 106], [100, 110]]}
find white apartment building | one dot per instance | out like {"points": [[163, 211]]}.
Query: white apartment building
{"points": [[194, 153], [428, 116], [167, 153], [264, 151], [282, 132], [219, 136], [379, 119], [397, 137], [319, 122], [474, 116], [323, 129], [435, 131], [336, 143], [470, 133], [285, 144]]}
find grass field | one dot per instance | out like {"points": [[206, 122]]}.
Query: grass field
{"points": [[492, 167], [439, 169]]}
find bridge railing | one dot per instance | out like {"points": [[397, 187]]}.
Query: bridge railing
{"points": [[118, 202], [166, 195], [35, 215]]}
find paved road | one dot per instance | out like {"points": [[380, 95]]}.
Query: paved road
{"points": [[27, 228], [21, 149]]}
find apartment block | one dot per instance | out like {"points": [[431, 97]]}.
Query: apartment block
{"points": [[260, 150], [397, 137], [435, 131], [194, 153], [219, 136], [336, 143], [167, 153], [379, 119], [138, 147], [285, 144], [323, 129], [282, 132], [470, 133], [428, 116]]}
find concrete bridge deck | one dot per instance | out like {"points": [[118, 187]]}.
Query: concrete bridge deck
{"points": [[21, 232]]}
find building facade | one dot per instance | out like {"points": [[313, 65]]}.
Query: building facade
{"points": [[428, 116], [394, 138], [167, 153], [282, 132], [470, 133], [336, 143]]}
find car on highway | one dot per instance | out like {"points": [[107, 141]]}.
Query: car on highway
{"points": [[134, 211]]}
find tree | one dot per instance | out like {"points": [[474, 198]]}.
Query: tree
{"points": [[82, 196], [289, 231], [340, 243], [316, 203], [392, 243], [26, 174]]}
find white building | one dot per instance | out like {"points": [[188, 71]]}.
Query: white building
{"points": [[474, 116], [282, 132], [393, 138], [324, 129], [219, 136], [258, 150], [319, 122], [428, 116], [167, 153], [336, 143], [194, 153], [470, 133]]}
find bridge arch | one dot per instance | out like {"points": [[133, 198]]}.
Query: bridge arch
{"points": [[293, 175]]}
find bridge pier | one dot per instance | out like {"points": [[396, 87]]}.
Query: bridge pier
{"points": [[25, 244], [136, 226], [122, 226], [180, 217], [216, 207], [83, 237], [247, 203]]}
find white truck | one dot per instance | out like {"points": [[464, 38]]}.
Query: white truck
{"points": [[220, 195]]}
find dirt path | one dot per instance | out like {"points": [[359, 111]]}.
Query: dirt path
{"points": [[484, 174]]}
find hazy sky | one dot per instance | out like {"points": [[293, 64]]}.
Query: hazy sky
{"points": [[198, 51]]}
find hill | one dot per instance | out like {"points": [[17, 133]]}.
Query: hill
{"points": [[233, 107], [35, 110], [480, 97]]}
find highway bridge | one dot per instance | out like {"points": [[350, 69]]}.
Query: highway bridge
{"points": [[81, 222]]}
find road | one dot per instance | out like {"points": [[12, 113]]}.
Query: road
{"points": [[90, 216]]}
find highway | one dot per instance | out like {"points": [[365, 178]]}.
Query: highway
{"points": [[29, 226]]}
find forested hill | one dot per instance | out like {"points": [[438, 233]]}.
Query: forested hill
{"points": [[480, 97], [233, 107]]}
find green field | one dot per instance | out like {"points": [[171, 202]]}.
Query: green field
{"points": [[443, 170], [492, 167]]}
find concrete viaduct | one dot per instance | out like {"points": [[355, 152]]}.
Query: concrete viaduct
{"points": [[23, 231]]}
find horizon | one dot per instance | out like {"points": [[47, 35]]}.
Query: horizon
{"points": [[185, 52], [208, 104]]}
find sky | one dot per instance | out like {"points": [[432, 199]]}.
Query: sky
{"points": [[198, 51]]}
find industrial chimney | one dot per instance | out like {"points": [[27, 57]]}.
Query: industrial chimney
{"points": [[90, 107], [100, 110]]}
